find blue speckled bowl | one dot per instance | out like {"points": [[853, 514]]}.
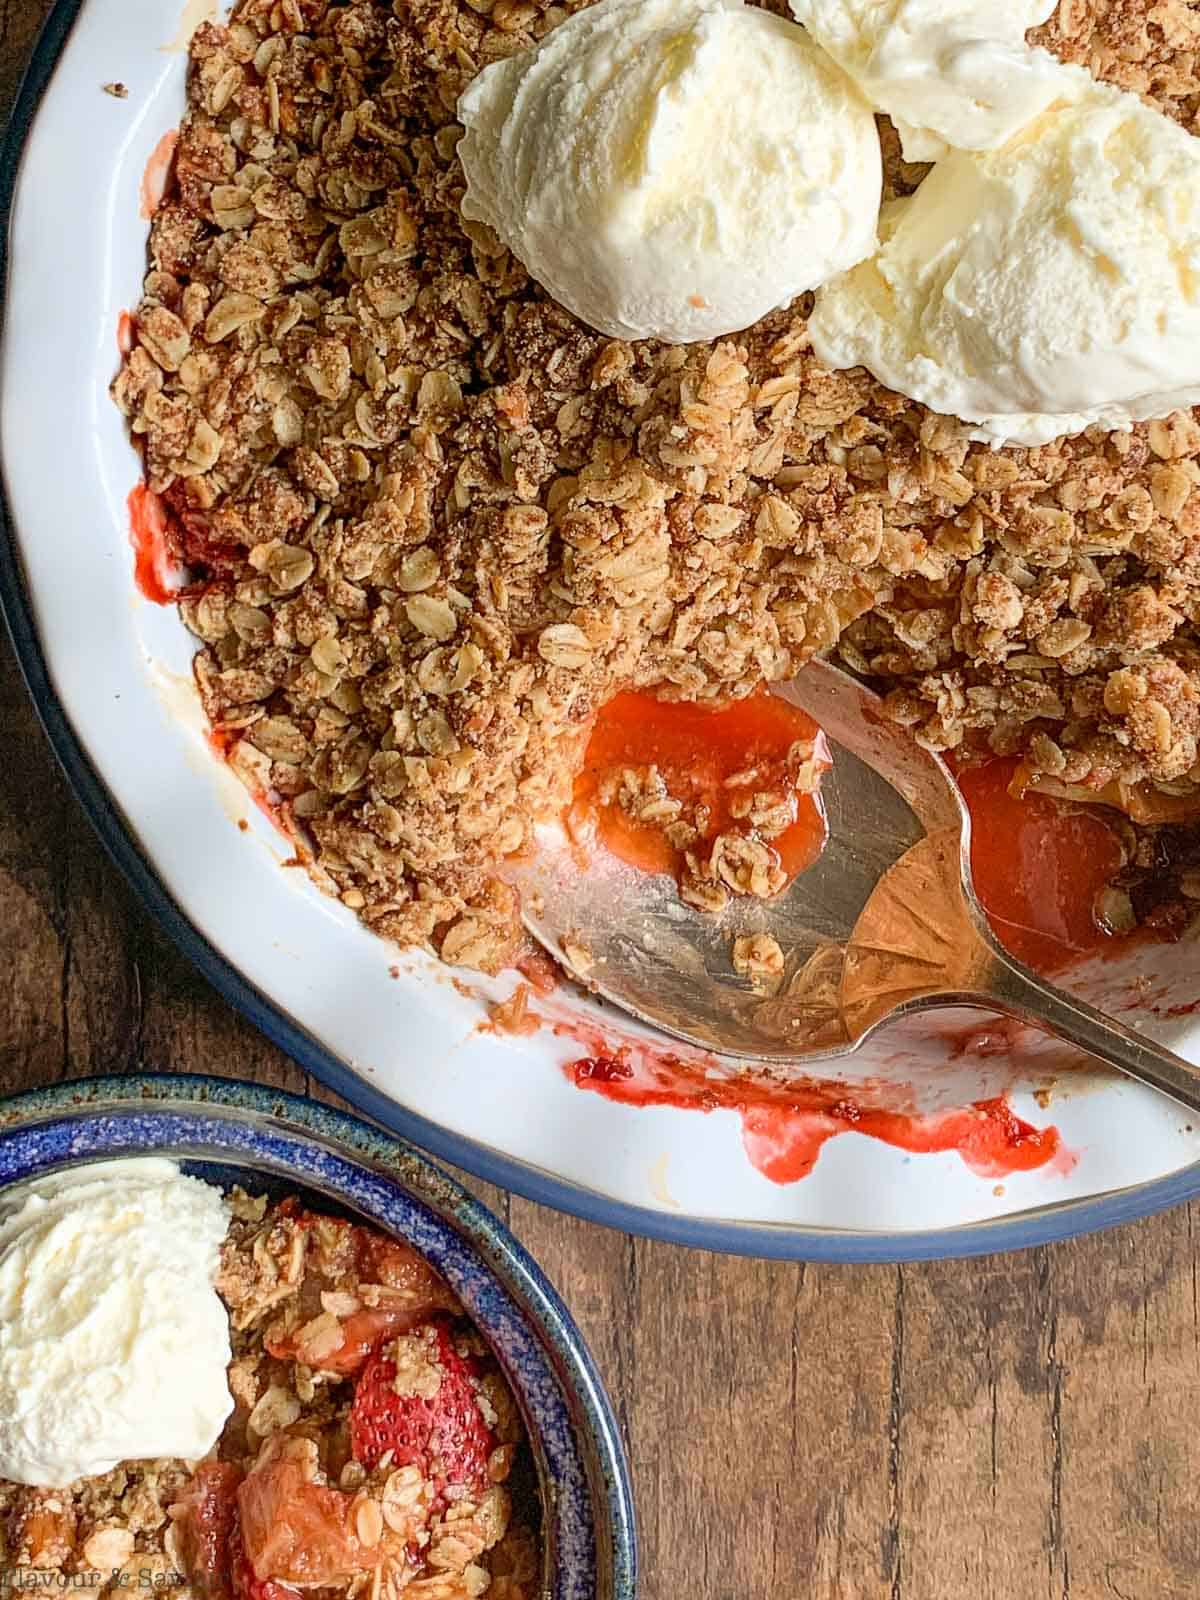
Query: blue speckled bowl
{"points": [[272, 1142]]}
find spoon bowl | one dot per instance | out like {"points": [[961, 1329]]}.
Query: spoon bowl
{"points": [[886, 923]]}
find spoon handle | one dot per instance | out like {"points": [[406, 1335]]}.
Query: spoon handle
{"points": [[1020, 994]]}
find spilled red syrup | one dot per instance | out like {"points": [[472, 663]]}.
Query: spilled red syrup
{"points": [[156, 570], [696, 750], [158, 174], [784, 1127], [221, 742], [1038, 865]]}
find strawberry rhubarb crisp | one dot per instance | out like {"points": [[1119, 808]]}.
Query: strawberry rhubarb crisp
{"points": [[429, 524], [372, 1449]]}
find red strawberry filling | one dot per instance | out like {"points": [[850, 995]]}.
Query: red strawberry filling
{"points": [[417, 1400], [298, 1531]]}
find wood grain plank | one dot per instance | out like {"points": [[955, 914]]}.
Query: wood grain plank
{"points": [[1127, 1340], [979, 1374], [594, 1269], [33, 810], [19, 24]]}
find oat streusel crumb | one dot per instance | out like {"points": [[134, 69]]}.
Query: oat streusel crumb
{"points": [[433, 523], [758, 956]]}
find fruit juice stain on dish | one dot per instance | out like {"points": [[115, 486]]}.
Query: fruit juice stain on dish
{"points": [[785, 1126], [223, 742], [156, 570], [696, 751], [1038, 865], [157, 175]]}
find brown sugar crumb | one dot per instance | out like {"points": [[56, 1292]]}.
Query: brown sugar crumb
{"points": [[757, 956], [1148, 47], [513, 1015], [579, 956], [432, 523], [417, 1372]]}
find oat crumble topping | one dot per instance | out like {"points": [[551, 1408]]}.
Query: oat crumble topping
{"points": [[735, 860], [432, 523]]}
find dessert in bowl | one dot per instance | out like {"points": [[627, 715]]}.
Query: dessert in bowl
{"points": [[230, 1367], [431, 529], [428, 527]]}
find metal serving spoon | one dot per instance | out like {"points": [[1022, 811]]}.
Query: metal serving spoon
{"points": [[885, 924]]}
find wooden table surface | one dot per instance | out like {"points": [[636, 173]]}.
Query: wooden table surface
{"points": [[1009, 1429]]}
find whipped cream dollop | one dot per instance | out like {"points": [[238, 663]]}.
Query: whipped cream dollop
{"points": [[673, 169], [1040, 288], [114, 1343], [950, 73]]}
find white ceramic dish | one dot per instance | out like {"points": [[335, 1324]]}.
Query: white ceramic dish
{"points": [[111, 675]]}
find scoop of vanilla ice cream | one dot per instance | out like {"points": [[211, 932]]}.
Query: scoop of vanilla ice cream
{"points": [[1041, 288], [673, 169], [114, 1343], [950, 73]]}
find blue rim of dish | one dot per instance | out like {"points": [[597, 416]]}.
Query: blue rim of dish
{"points": [[304, 1142], [780, 1241]]}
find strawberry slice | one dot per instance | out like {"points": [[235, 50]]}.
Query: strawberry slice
{"points": [[206, 1518], [380, 1420], [441, 1431]]}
